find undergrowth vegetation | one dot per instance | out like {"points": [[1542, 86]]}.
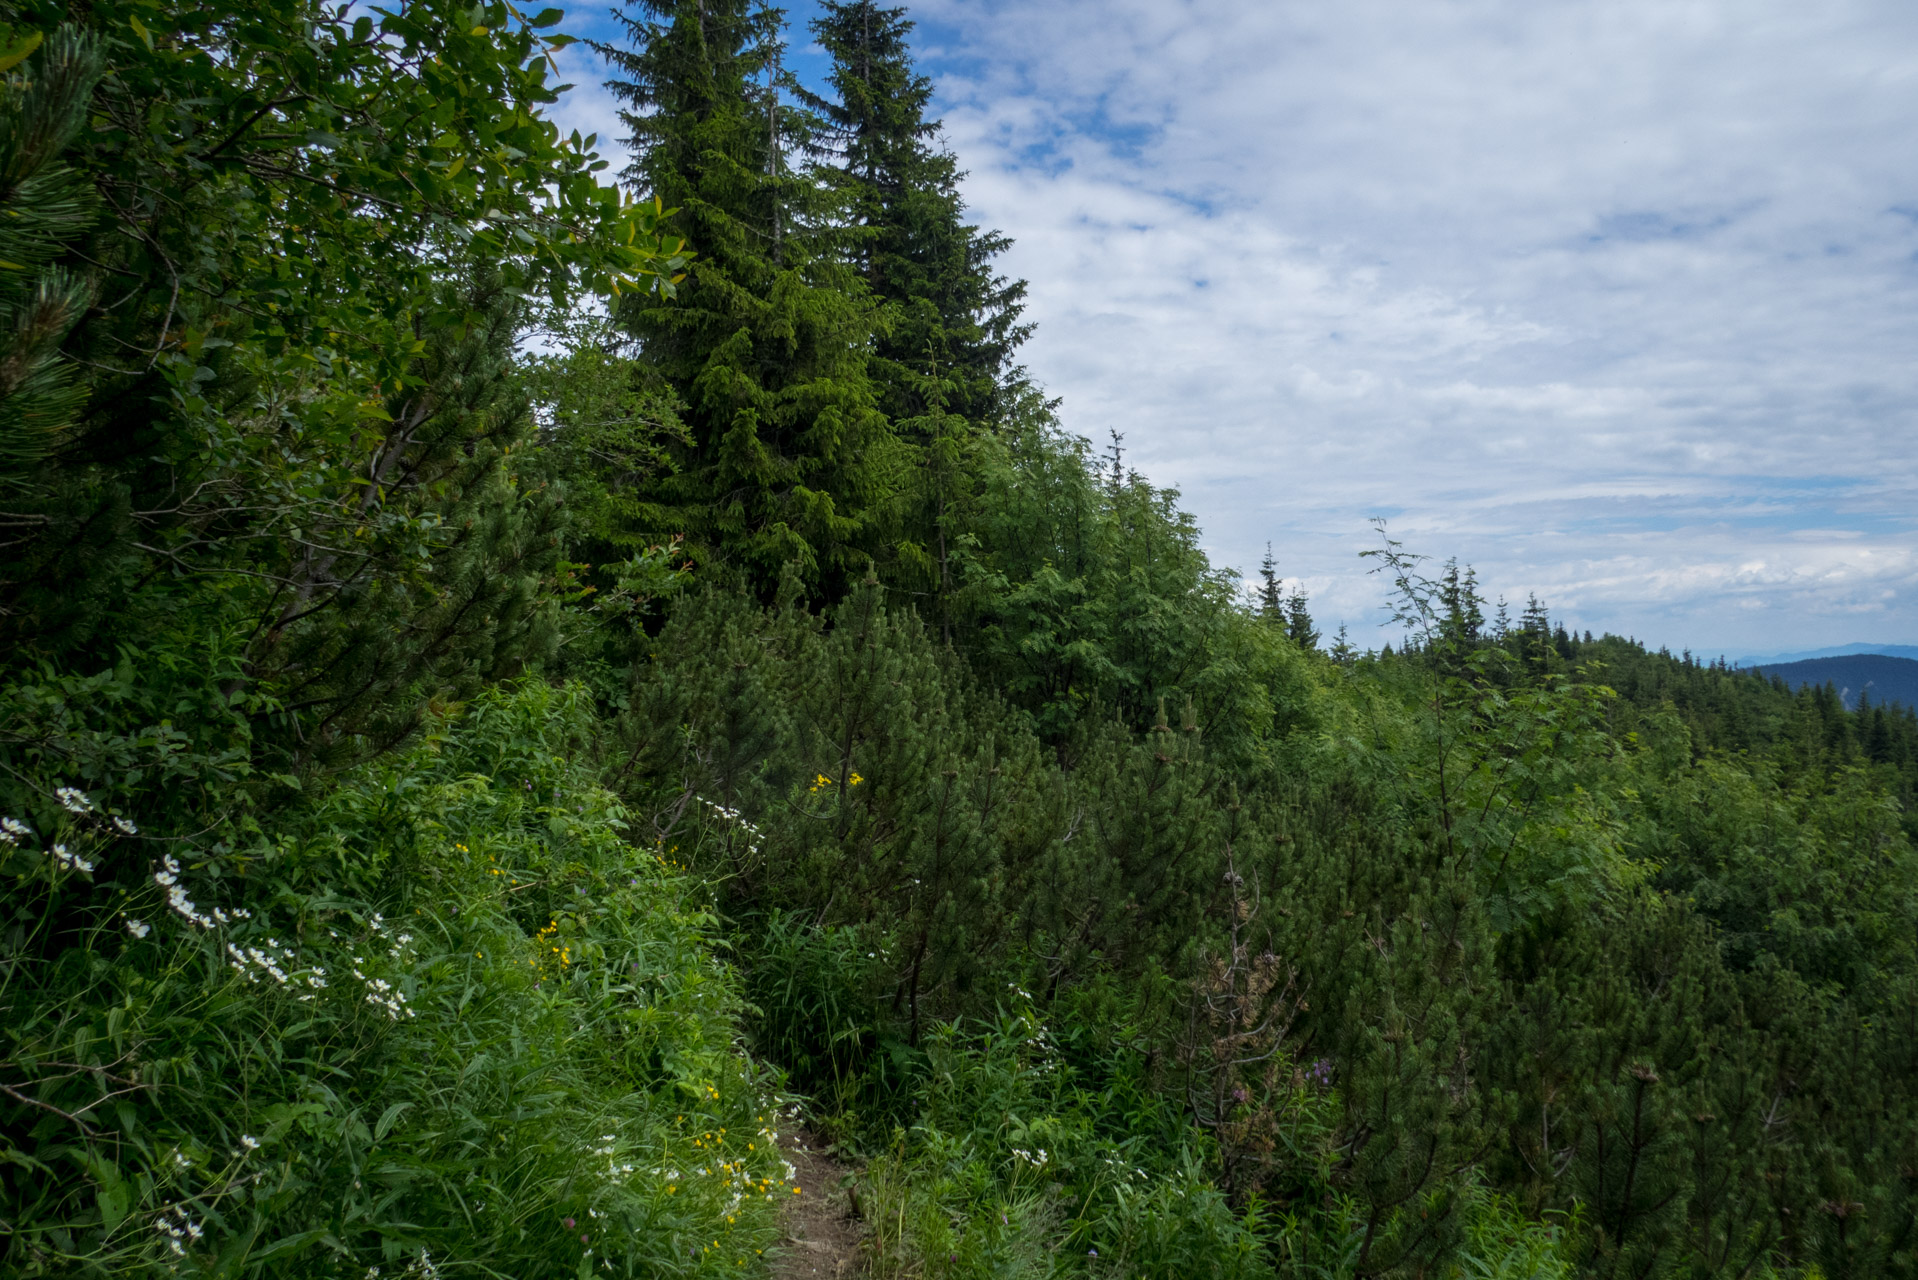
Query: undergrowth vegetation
{"points": [[461, 796], [461, 1021]]}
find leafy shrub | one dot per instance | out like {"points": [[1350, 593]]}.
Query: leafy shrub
{"points": [[446, 1019], [1017, 1168]]}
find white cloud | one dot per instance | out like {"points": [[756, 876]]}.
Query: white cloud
{"points": [[1616, 299], [1610, 299]]}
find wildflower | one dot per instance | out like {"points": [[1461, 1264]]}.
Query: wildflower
{"points": [[138, 928], [169, 879], [569, 1224], [74, 800], [11, 829], [250, 1142], [124, 827], [72, 861]]}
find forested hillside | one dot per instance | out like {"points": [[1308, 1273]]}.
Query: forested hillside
{"points": [[520, 682], [1862, 678]]}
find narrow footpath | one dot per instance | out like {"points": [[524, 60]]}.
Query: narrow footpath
{"points": [[821, 1238]]}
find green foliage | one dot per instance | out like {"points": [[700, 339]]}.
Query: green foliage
{"points": [[397, 725], [788, 459], [526, 1065], [42, 107], [1016, 1168], [950, 326]]}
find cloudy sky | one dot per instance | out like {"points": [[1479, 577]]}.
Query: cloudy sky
{"points": [[1616, 301]]}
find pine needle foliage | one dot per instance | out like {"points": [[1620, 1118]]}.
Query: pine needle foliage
{"points": [[951, 325], [789, 460], [450, 793]]}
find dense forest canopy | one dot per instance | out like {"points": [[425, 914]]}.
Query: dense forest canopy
{"points": [[519, 682]]}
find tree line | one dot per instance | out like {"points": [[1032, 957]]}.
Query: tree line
{"points": [[517, 681]]}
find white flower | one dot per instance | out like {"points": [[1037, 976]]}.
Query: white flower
{"points": [[139, 928], [250, 1142], [124, 826], [11, 829], [71, 860], [75, 800], [176, 898]]}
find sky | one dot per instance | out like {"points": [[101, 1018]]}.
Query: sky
{"points": [[1615, 301]]}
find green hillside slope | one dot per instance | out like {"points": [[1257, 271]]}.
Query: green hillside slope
{"points": [[462, 796]]}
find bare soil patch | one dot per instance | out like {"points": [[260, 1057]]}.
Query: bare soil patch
{"points": [[821, 1239]]}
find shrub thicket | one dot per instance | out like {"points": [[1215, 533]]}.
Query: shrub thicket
{"points": [[452, 797]]}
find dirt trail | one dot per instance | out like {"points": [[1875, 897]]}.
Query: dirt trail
{"points": [[821, 1239]]}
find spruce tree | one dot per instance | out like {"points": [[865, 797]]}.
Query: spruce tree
{"points": [[1343, 651], [788, 458], [1535, 632], [952, 325], [1271, 599], [1298, 621]]}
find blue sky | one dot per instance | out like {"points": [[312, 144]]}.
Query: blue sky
{"points": [[1616, 301]]}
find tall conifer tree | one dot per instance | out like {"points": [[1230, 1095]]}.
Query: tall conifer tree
{"points": [[789, 460], [1271, 598], [952, 323]]}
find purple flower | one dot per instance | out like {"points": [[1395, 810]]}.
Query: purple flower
{"points": [[569, 1224]]}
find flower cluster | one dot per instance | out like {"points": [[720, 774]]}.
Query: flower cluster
{"points": [[383, 994], [821, 782], [273, 961], [176, 897], [379, 992], [1040, 1038], [1036, 1160], [555, 947], [1320, 1072], [732, 1176], [70, 860], [732, 817], [77, 802], [178, 1229], [422, 1266]]}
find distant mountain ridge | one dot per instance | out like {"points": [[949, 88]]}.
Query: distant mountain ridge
{"points": [[1886, 677], [1835, 651]]}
